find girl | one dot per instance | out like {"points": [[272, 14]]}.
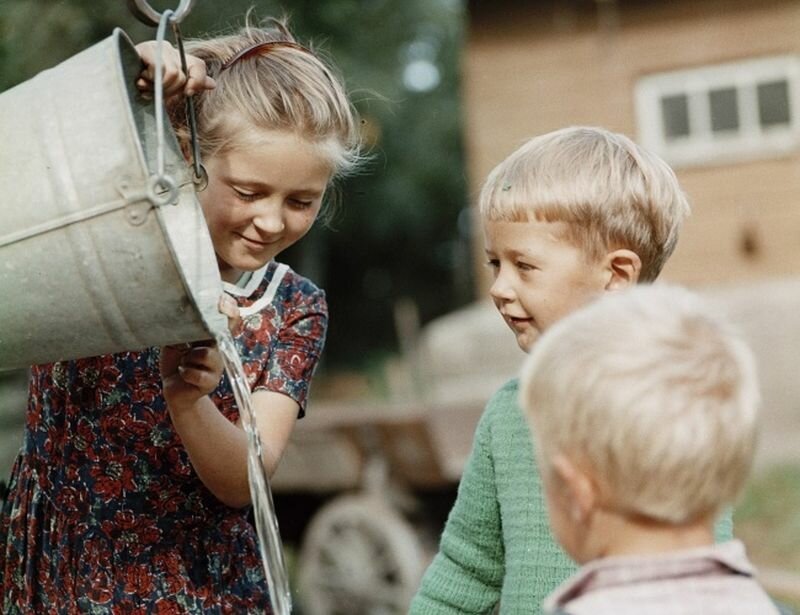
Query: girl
{"points": [[130, 492]]}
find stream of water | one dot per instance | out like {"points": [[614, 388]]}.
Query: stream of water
{"points": [[269, 538]]}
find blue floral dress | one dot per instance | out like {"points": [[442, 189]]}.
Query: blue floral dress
{"points": [[105, 513]]}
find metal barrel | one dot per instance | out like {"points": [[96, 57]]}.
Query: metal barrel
{"points": [[93, 260]]}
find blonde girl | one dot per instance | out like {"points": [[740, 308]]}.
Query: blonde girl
{"points": [[130, 492]]}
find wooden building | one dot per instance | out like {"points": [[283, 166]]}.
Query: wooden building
{"points": [[713, 86]]}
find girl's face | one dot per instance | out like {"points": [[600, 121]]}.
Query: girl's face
{"points": [[261, 198]]}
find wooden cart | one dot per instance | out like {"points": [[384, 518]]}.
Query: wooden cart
{"points": [[382, 465], [362, 552]]}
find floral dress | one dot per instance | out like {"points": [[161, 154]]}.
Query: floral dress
{"points": [[105, 513]]}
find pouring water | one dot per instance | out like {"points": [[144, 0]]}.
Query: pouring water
{"points": [[269, 539]]}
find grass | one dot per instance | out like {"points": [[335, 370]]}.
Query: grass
{"points": [[767, 521]]}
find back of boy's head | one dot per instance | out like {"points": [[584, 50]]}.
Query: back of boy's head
{"points": [[610, 192], [280, 87], [651, 392]]}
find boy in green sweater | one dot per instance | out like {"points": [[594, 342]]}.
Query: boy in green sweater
{"points": [[569, 216]]}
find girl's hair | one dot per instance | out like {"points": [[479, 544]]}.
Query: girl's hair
{"points": [[277, 87], [610, 193]]}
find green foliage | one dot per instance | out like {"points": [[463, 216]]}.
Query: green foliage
{"points": [[767, 520], [38, 34], [396, 234]]}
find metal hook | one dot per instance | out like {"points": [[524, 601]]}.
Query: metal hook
{"points": [[149, 16], [160, 179]]}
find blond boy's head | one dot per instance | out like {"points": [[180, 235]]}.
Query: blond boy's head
{"points": [[649, 394], [609, 192]]}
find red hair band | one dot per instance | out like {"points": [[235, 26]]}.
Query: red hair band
{"points": [[257, 49]]}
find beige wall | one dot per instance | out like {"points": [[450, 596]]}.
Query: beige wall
{"points": [[531, 70]]}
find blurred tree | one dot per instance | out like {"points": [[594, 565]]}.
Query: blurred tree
{"points": [[396, 234]]}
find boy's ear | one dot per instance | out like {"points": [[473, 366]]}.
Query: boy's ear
{"points": [[624, 267], [579, 487]]}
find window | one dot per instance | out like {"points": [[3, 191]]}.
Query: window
{"points": [[722, 113]]}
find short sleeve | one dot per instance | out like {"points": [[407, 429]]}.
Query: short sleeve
{"points": [[297, 349]]}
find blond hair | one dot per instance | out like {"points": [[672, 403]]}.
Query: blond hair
{"points": [[651, 392], [610, 192], [284, 87]]}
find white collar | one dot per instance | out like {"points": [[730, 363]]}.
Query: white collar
{"points": [[250, 286]]}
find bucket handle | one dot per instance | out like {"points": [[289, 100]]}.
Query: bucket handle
{"points": [[161, 180], [162, 188], [149, 16]]}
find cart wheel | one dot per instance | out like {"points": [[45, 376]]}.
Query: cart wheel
{"points": [[358, 557]]}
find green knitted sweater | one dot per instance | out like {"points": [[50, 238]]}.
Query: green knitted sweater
{"points": [[497, 546]]}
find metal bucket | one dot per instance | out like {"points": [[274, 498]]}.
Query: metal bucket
{"points": [[96, 256]]}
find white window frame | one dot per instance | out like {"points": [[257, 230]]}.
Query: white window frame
{"points": [[703, 146]]}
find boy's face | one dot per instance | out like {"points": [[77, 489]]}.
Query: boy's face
{"points": [[538, 276]]}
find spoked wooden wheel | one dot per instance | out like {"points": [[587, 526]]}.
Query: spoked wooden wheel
{"points": [[359, 557]]}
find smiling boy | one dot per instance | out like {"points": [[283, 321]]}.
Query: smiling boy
{"points": [[568, 216]]}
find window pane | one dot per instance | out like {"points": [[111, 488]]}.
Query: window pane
{"points": [[675, 115], [724, 106], [773, 103]]}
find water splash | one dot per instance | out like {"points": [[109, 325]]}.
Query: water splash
{"points": [[269, 538]]}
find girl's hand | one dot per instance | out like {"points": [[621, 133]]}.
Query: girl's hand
{"points": [[175, 81], [189, 372]]}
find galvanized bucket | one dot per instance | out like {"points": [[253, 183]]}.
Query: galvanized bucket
{"points": [[98, 254]]}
